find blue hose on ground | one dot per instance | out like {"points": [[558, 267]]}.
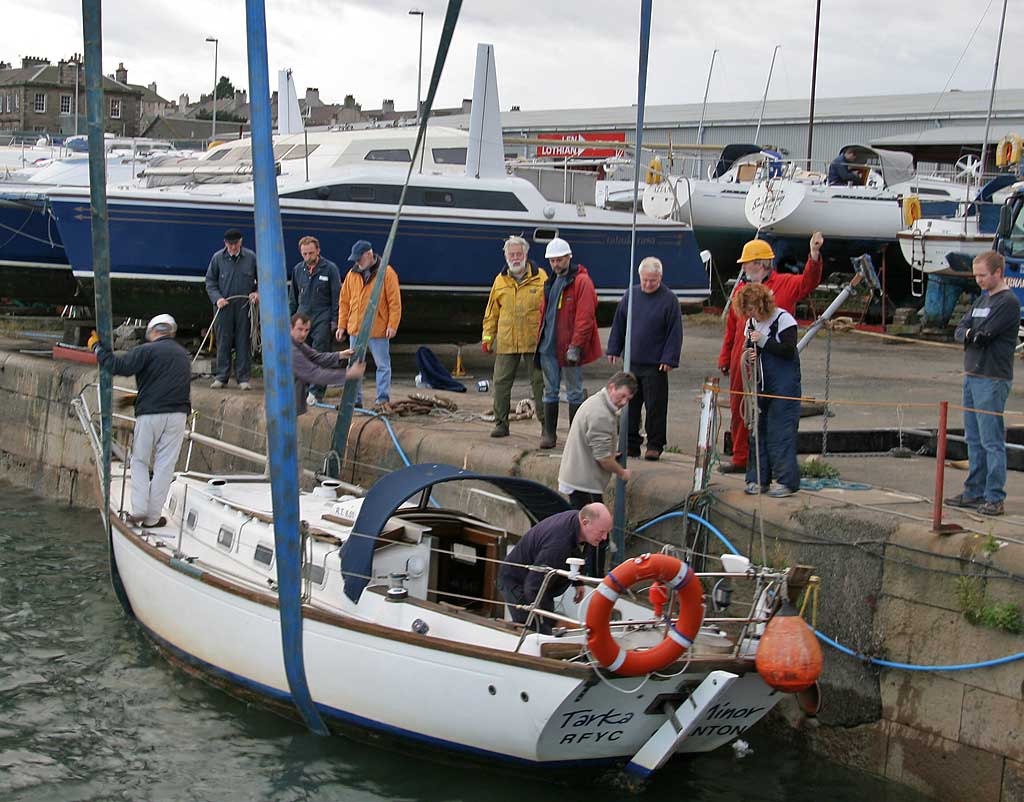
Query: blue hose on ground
{"points": [[835, 644], [387, 425]]}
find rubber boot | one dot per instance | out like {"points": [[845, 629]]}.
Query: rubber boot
{"points": [[549, 436], [572, 411]]}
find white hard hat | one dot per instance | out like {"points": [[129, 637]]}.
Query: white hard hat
{"points": [[162, 320], [557, 247]]}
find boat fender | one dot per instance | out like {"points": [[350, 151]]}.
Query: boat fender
{"points": [[654, 171], [911, 210], [678, 576], [788, 658]]}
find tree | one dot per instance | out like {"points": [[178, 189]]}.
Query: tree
{"points": [[225, 88]]}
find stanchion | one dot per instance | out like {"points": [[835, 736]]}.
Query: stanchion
{"points": [[460, 371], [940, 475]]}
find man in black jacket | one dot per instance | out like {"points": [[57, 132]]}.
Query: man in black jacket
{"points": [[231, 285], [550, 543], [162, 371]]}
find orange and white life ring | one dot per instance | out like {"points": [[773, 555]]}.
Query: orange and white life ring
{"points": [[1009, 150], [654, 171], [911, 210], [682, 632]]}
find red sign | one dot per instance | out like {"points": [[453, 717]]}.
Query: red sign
{"points": [[571, 150]]}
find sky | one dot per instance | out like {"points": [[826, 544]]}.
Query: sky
{"points": [[550, 54]]}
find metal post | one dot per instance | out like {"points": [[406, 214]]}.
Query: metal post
{"points": [[619, 530], [76, 97], [278, 381], [940, 474], [814, 81], [216, 47], [706, 433], [764, 100], [992, 92], [703, 108], [419, 71]]}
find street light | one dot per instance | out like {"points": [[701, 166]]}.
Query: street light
{"points": [[419, 72], [216, 47]]}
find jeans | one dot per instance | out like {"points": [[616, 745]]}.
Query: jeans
{"points": [[157, 440], [778, 422], [652, 396], [379, 348], [232, 332], [505, 368], [986, 437], [554, 375]]}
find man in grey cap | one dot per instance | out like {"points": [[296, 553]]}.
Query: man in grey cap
{"points": [[231, 285], [162, 371]]}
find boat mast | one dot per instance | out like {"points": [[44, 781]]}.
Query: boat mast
{"points": [[703, 108], [814, 80], [764, 100], [278, 380], [619, 521], [992, 91]]}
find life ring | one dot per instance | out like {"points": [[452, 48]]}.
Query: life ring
{"points": [[911, 210], [654, 172], [1008, 151], [681, 634]]}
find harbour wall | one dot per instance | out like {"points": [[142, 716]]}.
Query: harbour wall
{"points": [[888, 583]]}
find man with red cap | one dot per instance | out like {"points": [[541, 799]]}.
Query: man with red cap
{"points": [[788, 289]]}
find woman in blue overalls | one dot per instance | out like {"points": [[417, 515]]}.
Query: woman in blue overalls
{"points": [[771, 346]]}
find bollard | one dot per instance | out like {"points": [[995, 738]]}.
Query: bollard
{"points": [[940, 475]]}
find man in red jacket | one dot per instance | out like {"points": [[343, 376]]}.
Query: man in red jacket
{"points": [[789, 289], [568, 337]]}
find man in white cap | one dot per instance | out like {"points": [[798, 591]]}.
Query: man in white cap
{"points": [[568, 337], [162, 371]]}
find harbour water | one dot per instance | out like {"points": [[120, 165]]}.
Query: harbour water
{"points": [[90, 711]]}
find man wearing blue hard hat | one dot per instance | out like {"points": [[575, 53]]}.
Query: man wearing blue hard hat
{"points": [[352, 307]]}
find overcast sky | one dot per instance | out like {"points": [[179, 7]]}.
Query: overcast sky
{"points": [[549, 53]]}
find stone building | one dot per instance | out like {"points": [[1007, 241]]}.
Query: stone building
{"points": [[41, 97]]}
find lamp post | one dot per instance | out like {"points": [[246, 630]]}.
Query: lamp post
{"points": [[216, 47], [419, 71]]}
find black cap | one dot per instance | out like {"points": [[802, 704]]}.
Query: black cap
{"points": [[232, 235]]}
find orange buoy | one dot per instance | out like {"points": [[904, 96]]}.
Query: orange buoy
{"points": [[788, 657]]}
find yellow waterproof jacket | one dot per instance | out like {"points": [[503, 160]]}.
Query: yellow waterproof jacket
{"points": [[512, 319]]}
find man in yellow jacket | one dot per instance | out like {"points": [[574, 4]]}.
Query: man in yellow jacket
{"points": [[511, 323], [352, 307]]}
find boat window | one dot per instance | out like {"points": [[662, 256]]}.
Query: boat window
{"points": [[263, 554], [300, 151], [417, 196], [218, 155], [172, 502], [435, 197], [388, 155], [225, 537], [544, 234], [238, 154], [192, 520], [448, 155], [932, 191], [314, 573], [359, 192]]}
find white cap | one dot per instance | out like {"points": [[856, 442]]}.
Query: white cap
{"points": [[557, 247], [162, 320]]}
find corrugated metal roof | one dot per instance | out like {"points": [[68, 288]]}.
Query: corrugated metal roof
{"points": [[951, 135]]}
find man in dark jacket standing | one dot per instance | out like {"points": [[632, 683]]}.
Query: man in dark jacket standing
{"points": [[162, 371], [310, 366], [550, 542], [989, 334], [568, 337], [314, 290], [232, 273], [657, 339]]}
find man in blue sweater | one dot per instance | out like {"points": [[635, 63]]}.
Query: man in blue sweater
{"points": [[656, 342], [550, 543], [162, 371]]}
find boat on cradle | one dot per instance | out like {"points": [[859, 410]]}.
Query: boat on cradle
{"points": [[946, 246], [458, 211], [404, 631], [797, 202]]}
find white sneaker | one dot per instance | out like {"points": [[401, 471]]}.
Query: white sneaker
{"points": [[244, 386], [311, 400], [217, 384]]}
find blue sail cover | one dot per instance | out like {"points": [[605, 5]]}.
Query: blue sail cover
{"points": [[393, 490]]}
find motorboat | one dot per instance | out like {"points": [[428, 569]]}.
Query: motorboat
{"points": [[405, 636], [797, 202]]}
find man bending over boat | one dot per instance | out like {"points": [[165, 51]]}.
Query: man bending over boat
{"points": [[312, 367], [550, 543], [162, 371]]}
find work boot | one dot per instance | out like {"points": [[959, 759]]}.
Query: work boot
{"points": [[549, 437], [500, 430], [572, 411]]}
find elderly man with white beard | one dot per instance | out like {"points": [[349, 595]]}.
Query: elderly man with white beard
{"points": [[511, 323]]}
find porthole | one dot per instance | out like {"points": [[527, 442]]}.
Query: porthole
{"points": [[263, 554], [541, 235], [192, 520], [172, 504], [225, 537], [314, 573]]}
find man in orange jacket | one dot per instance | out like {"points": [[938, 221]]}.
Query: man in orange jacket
{"points": [[352, 307], [789, 289]]}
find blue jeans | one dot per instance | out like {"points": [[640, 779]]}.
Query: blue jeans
{"points": [[986, 437], [379, 348], [555, 375]]}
